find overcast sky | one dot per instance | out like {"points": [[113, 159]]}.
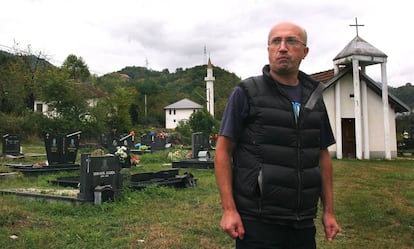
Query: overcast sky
{"points": [[160, 34]]}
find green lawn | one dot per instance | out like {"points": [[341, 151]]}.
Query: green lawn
{"points": [[374, 204]]}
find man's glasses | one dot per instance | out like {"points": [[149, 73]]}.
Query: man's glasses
{"points": [[289, 41]]}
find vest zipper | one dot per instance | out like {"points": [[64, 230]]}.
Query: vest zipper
{"points": [[260, 183], [298, 169]]}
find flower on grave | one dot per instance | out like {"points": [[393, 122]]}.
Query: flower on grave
{"points": [[143, 147], [134, 160], [121, 152], [178, 155], [40, 164]]}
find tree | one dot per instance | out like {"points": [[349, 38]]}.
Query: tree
{"points": [[184, 129], [118, 109], [12, 90], [202, 121], [76, 68], [18, 80], [109, 82], [67, 99]]}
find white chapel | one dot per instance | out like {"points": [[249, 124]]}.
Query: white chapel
{"points": [[361, 111]]}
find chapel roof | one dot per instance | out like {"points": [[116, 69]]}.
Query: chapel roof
{"points": [[367, 53], [329, 79]]}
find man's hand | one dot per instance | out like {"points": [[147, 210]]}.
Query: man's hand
{"points": [[331, 226], [231, 223]]}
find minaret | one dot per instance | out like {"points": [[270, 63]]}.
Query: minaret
{"points": [[210, 88]]}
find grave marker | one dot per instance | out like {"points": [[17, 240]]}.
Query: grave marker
{"points": [[199, 142], [100, 178], [11, 145], [154, 142], [61, 149], [127, 141]]}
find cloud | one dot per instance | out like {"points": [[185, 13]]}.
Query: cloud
{"points": [[111, 35]]}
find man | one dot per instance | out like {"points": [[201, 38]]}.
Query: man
{"points": [[272, 164]]}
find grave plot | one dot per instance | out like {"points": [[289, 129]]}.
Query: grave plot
{"points": [[139, 181], [100, 180], [201, 158], [61, 152], [168, 177]]}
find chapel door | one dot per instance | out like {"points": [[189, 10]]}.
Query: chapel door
{"points": [[348, 138]]}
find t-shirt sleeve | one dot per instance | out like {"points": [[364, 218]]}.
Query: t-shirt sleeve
{"points": [[234, 114], [327, 137]]}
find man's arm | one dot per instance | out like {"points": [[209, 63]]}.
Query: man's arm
{"points": [[230, 221], [329, 221]]}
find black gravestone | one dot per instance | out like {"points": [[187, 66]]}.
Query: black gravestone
{"points": [[110, 141], [99, 173], [104, 140], [11, 145], [154, 142], [199, 142], [71, 147], [127, 141], [62, 149], [54, 147], [147, 140], [159, 144]]}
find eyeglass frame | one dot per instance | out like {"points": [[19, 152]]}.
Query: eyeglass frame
{"points": [[289, 41]]}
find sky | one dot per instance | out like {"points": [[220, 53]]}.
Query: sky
{"points": [[171, 34]]}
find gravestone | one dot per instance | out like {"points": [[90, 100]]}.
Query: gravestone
{"points": [[154, 142], [11, 145], [127, 140], [199, 142], [71, 147], [62, 149], [104, 140], [110, 141], [54, 148], [147, 139], [159, 144], [100, 178]]}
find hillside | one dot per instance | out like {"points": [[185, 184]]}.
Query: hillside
{"points": [[405, 94], [166, 87], [163, 88]]}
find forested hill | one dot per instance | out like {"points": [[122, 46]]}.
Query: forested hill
{"points": [[163, 88], [405, 94]]}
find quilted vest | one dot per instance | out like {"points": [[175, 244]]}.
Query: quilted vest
{"points": [[276, 162]]}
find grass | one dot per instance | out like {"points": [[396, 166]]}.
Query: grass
{"points": [[374, 202]]}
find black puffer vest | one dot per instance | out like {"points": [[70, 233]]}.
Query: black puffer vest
{"points": [[276, 162]]}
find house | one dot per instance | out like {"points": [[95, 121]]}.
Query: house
{"points": [[179, 111], [361, 111], [94, 93]]}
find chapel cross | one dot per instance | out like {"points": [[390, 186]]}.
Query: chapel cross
{"points": [[356, 25]]}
